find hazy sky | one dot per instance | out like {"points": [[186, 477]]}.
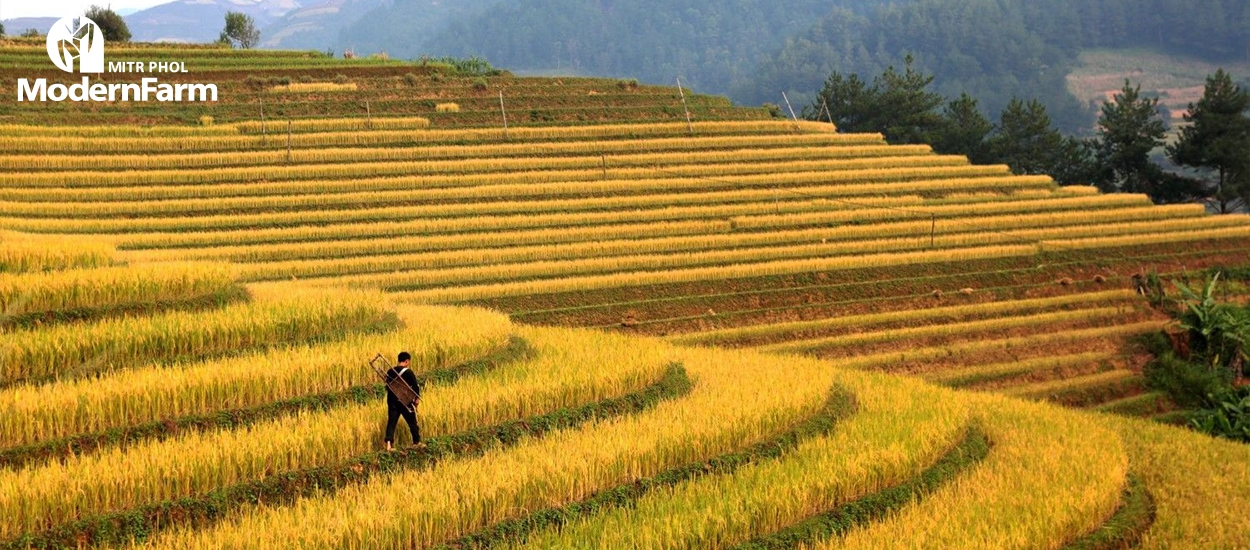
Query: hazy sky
{"points": [[62, 8]]}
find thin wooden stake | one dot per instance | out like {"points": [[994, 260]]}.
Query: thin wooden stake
{"points": [[505, 115], [368, 116], [932, 229], [689, 123], [792, 115], [829, 113], [605, 166], [263, 133], [288, 141]]}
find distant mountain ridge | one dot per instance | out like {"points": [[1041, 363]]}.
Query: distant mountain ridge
{"points": [[19, 25], [316, 25], [201, 20]]}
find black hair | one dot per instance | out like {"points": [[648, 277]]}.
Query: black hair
{"points": [[404, 356]]}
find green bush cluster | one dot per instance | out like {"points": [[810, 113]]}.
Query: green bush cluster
{"points": [[1207, 380]]}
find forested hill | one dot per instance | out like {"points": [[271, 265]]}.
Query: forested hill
{"points": [[996, 49], [755, 49], [711, 45]]}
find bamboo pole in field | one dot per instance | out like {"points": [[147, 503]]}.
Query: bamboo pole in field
{"points": [[504, 112], [689, 123], [793, 118]]}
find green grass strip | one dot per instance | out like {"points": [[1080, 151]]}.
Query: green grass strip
{"points": [[974, 447], [1145, 404], [17, 457], [1124, 529], [1173, 418], [839, 405], [137, 525]]}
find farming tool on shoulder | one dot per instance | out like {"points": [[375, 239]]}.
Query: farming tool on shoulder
{"points": [[407, 394]]}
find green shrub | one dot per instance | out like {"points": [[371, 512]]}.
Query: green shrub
{"points": [[1190, 385], [1230, 273], [480, 85], [472, 66], [1228, 415]]}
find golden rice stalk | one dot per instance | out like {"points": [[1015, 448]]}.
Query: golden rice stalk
{"points": [[111, 287], [306, 87], [851, 238], [1200, 485], [710, 165], [899, 428], [45, 495], [794, 147], [945, 330], [437, 337], [751, 397], [728, 335], [84, 348], [23, 253], [731, 271], [345, 248], [1051, 476], [66, 145]]}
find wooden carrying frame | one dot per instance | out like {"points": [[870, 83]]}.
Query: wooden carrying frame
{"points": [[407, 394]]}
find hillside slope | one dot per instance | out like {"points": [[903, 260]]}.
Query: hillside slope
{"points": [[713, 332]]}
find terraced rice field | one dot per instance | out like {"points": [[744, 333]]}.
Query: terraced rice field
{"points": [[643, 334]]}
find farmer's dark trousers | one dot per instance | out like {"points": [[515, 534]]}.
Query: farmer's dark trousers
{"points": [[392, 420]]}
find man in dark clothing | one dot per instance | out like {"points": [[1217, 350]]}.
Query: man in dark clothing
{"points": [[396, 408]]}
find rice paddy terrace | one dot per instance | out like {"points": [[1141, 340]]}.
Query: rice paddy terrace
{"points": [[636, 331]]}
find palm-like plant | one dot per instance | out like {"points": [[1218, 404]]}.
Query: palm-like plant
{"points": [[1218, 332]]}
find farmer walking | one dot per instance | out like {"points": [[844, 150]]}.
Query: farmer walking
{"points": [[396, 406]]}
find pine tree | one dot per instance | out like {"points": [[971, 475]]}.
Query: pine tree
{"points": [[1026, 139], [908, 109], [898, 106], [963, 130], [1128, 130], [847, 101], [1217, 141]]}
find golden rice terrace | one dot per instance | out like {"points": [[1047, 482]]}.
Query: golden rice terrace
{"points": [[637, 330]]}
